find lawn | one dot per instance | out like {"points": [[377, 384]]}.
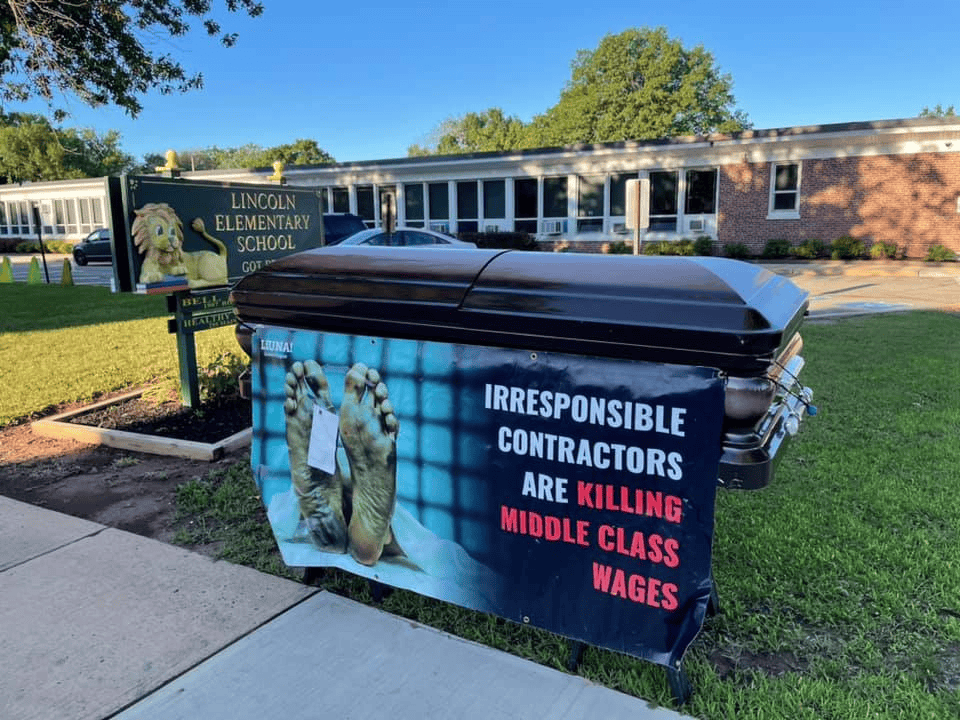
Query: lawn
{"points": [[64, 344], [839, 583]]}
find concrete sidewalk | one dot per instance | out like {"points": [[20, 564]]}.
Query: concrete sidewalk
{"points": [[95, 622]]}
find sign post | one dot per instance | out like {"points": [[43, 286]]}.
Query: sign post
{"points": [[194, 312], [43, 254], [638, 209]]}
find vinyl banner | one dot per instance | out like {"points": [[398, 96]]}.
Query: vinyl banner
{"points": [[188, 234], [572, 493]]}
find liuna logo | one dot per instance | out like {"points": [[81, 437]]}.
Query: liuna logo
{"points": [[277, 346]]}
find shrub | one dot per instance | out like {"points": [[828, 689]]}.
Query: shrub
{"points": [[776, 249], [737, 251], [32, 246], [58, 246], [657, 247], [620, 248], [939, 253], [703, 245], [666, 247], [847, 248], [880, 250], [811, 248], [501, 240]]}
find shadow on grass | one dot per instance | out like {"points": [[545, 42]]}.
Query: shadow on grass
{"points": [[28, 308]]}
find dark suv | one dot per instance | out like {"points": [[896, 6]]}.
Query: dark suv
{"points": [[337, 226], [95, 246]]}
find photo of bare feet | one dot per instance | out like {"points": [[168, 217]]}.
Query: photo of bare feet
{"points": [[346, 511], [320, 495], [368, 430]]}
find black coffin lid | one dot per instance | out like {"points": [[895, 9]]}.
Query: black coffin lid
{"points": [[690, 310]]}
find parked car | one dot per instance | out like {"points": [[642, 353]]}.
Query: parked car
{"points": [[337, 226], [95, 247], [405, 237]]}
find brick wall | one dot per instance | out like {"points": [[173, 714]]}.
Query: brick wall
{"points": [[910, 200]]}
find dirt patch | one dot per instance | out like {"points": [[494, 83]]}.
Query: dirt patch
{"points": [[127, 490], [215, 420], [772, 664]]}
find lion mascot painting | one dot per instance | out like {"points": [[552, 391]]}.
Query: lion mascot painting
{"points": [[158, 235]]}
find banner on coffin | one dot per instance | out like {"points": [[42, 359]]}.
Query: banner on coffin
{"points": [[572, 493]]}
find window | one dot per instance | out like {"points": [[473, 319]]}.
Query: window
{"points": [[663, 201], [84, 204], [494, 199], [525, 204], [555, 197], [413, 204], [439, 201], [590, 203], [467, 206], [388, 204], [24, 217], [365, 204], [785, 190], [59, 215], [418, 238], [701, 192], [3, 218], [341, 199], [618, 193]]}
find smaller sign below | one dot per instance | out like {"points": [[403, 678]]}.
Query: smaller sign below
{"points": [[194, 312]]}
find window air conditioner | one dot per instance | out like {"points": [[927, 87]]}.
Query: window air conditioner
{"points": [[440, 227], [552, 227]]}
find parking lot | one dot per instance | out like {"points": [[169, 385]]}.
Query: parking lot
{"points": [[837, 289], [92, 274]]}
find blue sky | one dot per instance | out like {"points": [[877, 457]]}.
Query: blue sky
{"points": [[368, 79]]}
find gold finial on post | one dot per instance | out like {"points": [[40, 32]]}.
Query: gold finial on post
{"points": [[277, 173], [172, 168]]}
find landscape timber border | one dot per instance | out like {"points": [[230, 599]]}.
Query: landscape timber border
{"points": [[59, 426]]}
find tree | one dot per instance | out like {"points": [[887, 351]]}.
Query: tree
{"points": [[32, 149], [299, 152], [640, 84], [938, 111], [488, 131], [98, 50]]}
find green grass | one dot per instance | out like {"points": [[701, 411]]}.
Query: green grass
{"points": [[51, 307], [62, 345], [839, 583]]}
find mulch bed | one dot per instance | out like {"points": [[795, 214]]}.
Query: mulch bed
{"points": [[210, 422]]}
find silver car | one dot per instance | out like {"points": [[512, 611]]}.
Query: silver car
{"points": [[405, 237]]}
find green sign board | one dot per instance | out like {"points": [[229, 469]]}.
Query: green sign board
{"points": [[203, 310], [174, 234]]}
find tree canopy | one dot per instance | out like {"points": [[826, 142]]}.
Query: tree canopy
{"points": [[640, 84], [938, 111], [99, 51], [299, 152], [31, 149], [486, 131]]}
